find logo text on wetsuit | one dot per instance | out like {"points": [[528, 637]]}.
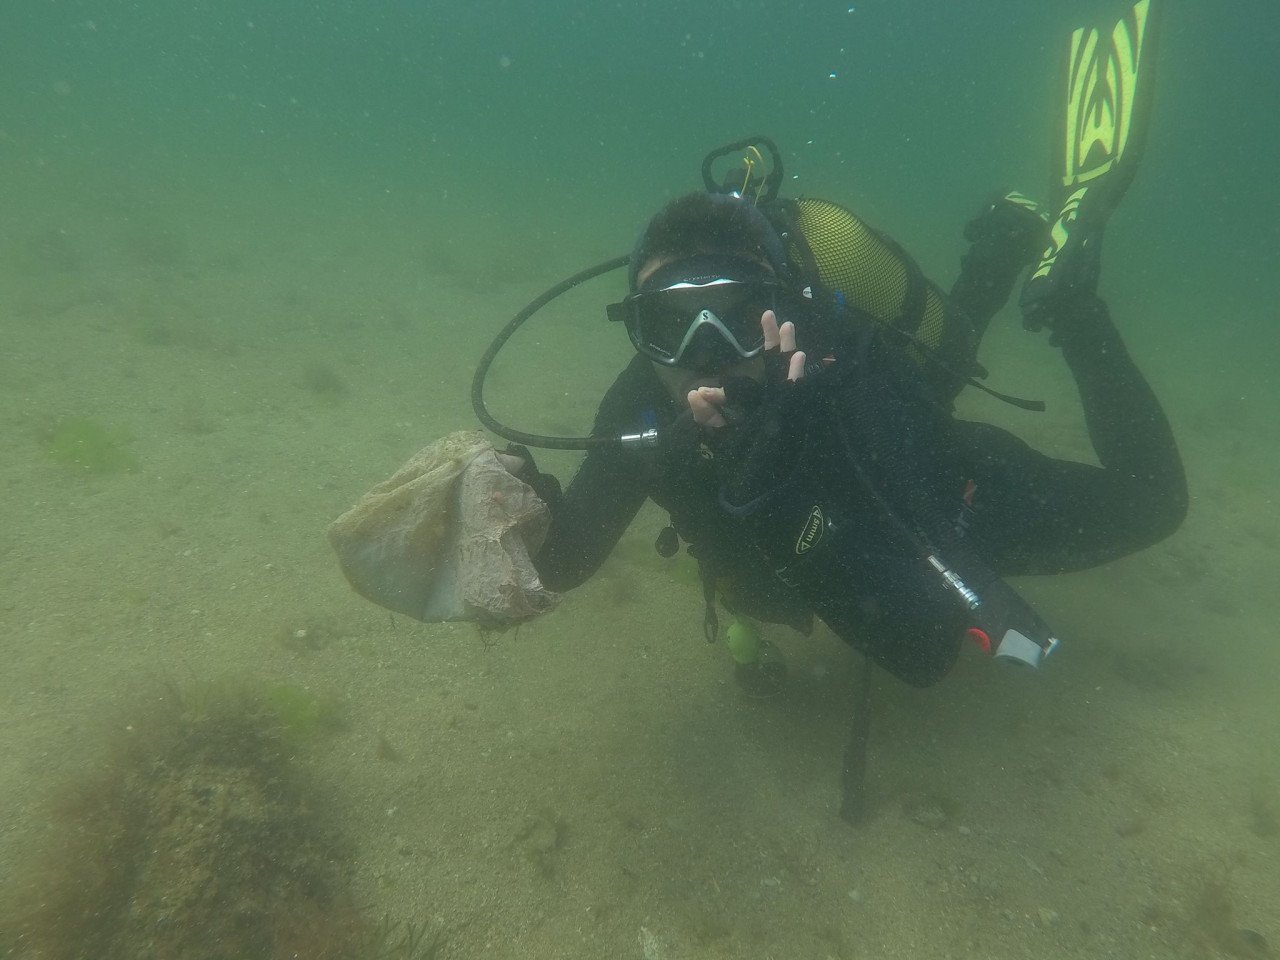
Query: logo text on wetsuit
{"points": [[812, 531]]}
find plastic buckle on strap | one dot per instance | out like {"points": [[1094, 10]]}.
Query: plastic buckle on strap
{"points": [[1015, 647]]}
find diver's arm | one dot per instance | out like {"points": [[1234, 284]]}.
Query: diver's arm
{"points": [[611, 485], [589, 518], [1035, 514]]}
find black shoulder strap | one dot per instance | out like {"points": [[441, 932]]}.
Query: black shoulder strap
{"points": [[800, 258]]}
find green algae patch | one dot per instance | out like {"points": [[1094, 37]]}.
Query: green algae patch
{"points": [[199, 835], [87, 446], [304, 716]]}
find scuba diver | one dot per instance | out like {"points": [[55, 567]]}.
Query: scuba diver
{"points": [[790, 405]]}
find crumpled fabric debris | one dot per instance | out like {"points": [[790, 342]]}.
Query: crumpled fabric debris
{"points": [[448, 537]]}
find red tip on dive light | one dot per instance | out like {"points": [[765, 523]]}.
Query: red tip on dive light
{"points": [[980, 638]]}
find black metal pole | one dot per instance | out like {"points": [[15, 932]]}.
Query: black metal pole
{"points": [[854, 805]]}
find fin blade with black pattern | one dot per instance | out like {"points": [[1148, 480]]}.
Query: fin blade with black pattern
{"points": [[1106, 109]]}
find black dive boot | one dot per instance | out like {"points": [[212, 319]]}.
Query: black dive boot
{"points": [[1005, 238], [1065, 280]]}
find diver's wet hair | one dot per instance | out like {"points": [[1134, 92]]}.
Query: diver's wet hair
{"points": [[708, 223]]}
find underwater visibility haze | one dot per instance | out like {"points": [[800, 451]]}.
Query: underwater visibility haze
{"points": [[249, 256]]}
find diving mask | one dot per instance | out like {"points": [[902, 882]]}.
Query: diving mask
{"points": [[700, 313]]}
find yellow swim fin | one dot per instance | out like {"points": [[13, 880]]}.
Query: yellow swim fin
{"points": [[1109, 89]]}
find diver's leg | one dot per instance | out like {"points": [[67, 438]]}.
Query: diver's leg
{"points": [[1127, 426], [1036, 514]]}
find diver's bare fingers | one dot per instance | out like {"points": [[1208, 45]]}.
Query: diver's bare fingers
{"points": [[705, 404], [787, 336], [796, 369], [769, 326], [713, 395]]}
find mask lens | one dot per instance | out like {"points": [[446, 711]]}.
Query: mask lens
{"points": [[665, 322]]}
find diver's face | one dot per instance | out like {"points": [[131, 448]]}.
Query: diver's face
{"points": [[680, 380]]}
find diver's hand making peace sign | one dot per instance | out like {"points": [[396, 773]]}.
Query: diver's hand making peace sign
{"points": [[781, 360]]}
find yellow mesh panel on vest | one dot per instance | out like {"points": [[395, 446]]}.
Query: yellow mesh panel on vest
{"points": [[935, 318], [852, 259]]}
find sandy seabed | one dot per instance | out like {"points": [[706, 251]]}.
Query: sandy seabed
{"points": [[595, 784]]}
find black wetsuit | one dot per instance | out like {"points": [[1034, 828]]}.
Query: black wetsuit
{"points": [[968, 485]]}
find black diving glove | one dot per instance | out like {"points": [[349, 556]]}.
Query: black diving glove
{"points": [[765, 433]]}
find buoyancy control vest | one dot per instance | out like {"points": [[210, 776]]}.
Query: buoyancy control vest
{"points": [[856, 268]]}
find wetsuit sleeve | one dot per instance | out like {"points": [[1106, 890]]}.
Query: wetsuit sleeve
{"points": [[1036, 514], [611, 485]]}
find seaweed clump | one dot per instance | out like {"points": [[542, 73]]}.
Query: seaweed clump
{"points": [[87, 446], [302, 715], [200, 840]]}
